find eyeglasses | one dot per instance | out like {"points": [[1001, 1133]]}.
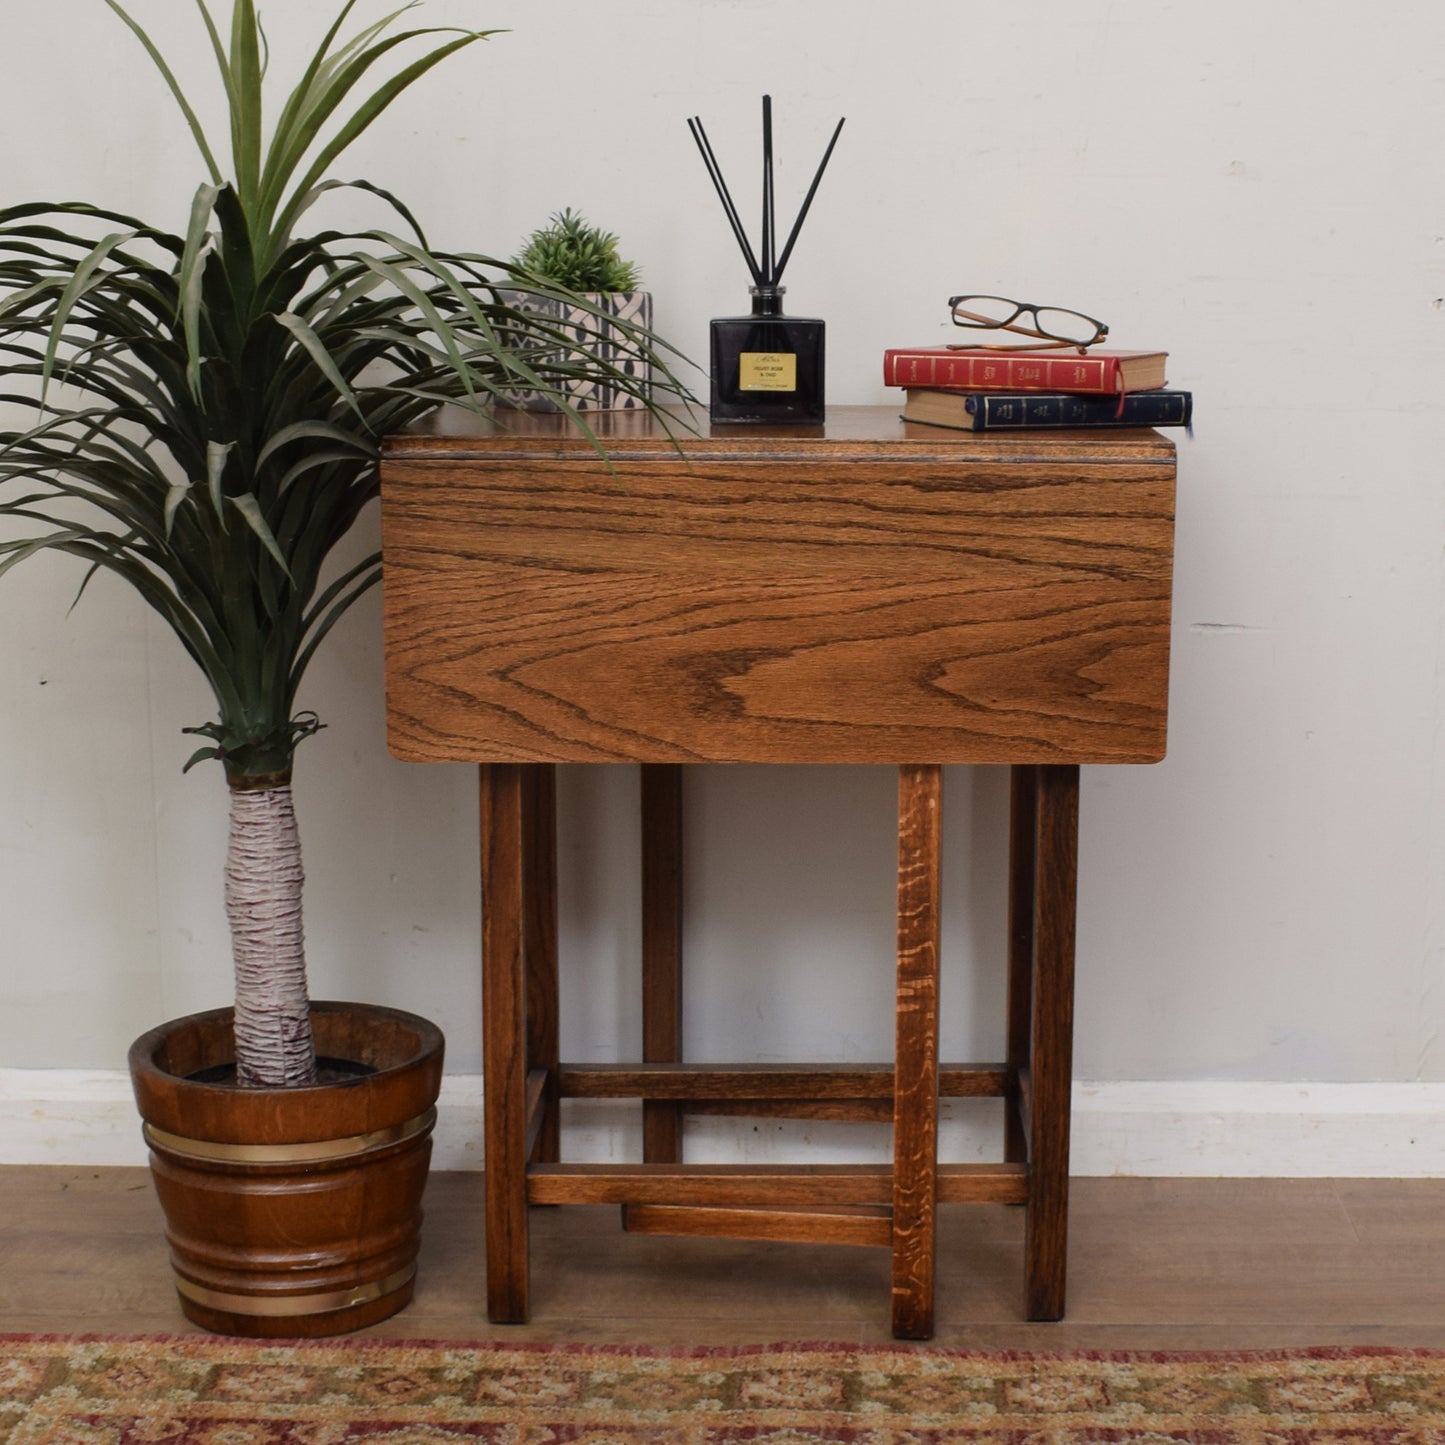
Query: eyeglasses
{"points": [[1053, 325]]}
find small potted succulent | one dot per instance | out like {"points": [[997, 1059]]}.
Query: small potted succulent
{"points": [[577, 257]]}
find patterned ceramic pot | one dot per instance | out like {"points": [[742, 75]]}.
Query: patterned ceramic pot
{"points": [[594, 333]]}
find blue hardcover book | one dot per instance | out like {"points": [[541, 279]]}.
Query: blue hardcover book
{"points": [[998, 410]]}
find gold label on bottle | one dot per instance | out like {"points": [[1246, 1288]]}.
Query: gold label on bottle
{"points": [[767, 371]]}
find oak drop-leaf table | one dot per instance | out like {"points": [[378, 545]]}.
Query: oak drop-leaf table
{"points": [[868, 591]]}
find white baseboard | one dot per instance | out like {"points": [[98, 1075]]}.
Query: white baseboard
{"points": [[86, 1118], [1218, 1129]]}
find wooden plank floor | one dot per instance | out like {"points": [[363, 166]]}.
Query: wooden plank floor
{"points": [[1154, 1264]]}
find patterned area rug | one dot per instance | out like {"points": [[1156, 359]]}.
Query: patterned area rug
{"points": [[195, 1390]]}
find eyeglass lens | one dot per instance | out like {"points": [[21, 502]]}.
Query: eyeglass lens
{"points": [[999, 311]]}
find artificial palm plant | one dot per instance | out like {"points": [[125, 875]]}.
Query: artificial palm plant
{"points": [[210, 406]]}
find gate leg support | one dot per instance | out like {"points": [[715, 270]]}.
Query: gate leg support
{"points": [[915, 1094], [661, 950], [1051, 1066], [504, 1040]]}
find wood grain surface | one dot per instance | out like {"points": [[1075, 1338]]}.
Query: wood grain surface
{"points": [[298, 1213], [755, 1082], [869, 591], [539, 947], [860, 1224], [915, 1098], [502, 794], [1158, 1264], [1023, 842], [776, 1185], [1051, 1066]]}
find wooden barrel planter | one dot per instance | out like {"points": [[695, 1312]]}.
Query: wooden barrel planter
{"points": [[292, 1212]]}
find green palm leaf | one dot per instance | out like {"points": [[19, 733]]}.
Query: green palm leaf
{"points": [[209, 406]]}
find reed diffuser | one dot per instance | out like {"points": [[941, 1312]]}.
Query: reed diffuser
{"points": [[765, 367]]}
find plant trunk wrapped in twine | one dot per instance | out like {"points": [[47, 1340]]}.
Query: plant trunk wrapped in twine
{"points": [[263, 904]]}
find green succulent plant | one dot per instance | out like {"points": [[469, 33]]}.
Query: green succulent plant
{"points": [[209, 407], [571, 252]]}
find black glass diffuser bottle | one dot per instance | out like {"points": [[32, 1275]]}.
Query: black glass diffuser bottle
{"points": [[766, 366]]}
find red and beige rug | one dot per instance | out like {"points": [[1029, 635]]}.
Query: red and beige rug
{"points": [[196, 1390]]}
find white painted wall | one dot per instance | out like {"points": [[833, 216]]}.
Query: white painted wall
{"points": [[1256, 188]]}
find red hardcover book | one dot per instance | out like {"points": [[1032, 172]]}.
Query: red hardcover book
{"points": [[947, 368]]}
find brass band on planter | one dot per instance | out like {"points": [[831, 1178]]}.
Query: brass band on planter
{"points": [[314, 1152], [294, 1304]]}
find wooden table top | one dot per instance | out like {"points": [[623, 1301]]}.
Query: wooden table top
{"points": [[456, 432], [866, 591]]}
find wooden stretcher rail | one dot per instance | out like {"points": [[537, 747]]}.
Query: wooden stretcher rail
{"points": [[763, 1184], [722, 1082], [847, 1111], [859, 1225]]}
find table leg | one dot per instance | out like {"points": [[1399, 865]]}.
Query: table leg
{"points": [[915, 1096], [661, 950], [504, 1040], [539, 943], [1023, 829], [1051, 1070]]}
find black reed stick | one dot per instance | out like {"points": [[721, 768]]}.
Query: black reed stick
{"points": [[729, 209], [768, 272], [807, 201], [769, 247]]}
